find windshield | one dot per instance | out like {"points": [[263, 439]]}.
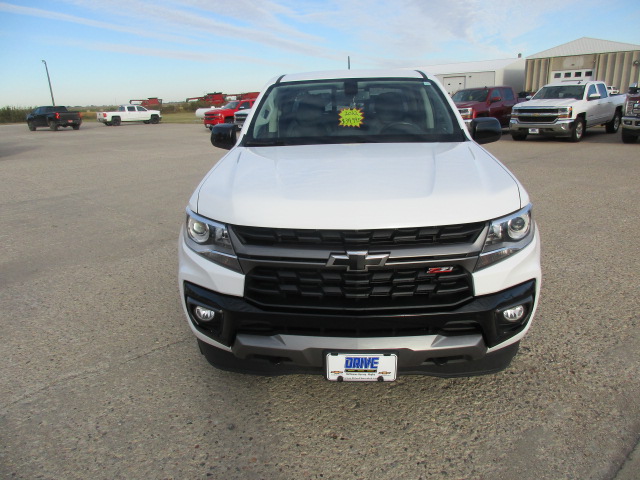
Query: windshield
{"points": [[479, 95], [232, 105], [560, 91], [353, 111]]}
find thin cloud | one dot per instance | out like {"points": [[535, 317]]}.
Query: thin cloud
{"points": [[37, 12]]}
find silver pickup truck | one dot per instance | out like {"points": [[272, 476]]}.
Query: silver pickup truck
{"points": [[567, 109]]}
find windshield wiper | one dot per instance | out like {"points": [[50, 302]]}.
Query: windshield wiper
{"points": [[265, 143]]}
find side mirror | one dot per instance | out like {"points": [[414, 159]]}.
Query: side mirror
{"points": [[485, 129], [594, 96], [224, 135], [495, 99]]}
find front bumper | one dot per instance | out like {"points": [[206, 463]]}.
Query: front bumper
{"points": [[469, 340], [559, 128], [457, 343], [631, 125]]}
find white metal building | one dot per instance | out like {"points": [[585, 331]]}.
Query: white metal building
{"points": [[616, 64], [486, 73]]}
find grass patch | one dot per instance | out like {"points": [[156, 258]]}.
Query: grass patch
{"points": [[180, 117]]}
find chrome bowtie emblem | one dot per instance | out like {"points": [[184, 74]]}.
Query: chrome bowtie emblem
{"points": [[357, 261]]}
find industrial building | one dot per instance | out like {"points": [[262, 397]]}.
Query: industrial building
{"points": [[616, 64], [486, 73]]}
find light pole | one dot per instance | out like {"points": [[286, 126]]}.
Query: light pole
{"points": [[49, 79]]}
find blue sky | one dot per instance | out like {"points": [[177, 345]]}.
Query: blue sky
{"points": [[104, 52]]}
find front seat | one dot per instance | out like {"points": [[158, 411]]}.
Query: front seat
{"points": [[308, 119]]}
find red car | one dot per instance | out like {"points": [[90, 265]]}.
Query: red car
{"points": [[225, 114]]}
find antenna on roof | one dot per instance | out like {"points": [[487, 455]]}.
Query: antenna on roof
{"points": [[348, 62]]}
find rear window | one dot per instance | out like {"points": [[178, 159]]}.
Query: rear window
{"points": [[353, 111]]}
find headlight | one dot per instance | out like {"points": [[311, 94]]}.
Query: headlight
{"points": [[565, 112], [467, 113], [514, 112], [507, 236], [211, 240]]}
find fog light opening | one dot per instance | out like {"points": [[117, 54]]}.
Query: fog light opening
{"points": [[514, 314]]}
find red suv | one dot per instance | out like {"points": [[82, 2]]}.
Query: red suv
{"points": [[225, 114]]}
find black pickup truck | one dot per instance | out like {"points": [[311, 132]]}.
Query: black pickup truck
{"points": [[54, 118]]}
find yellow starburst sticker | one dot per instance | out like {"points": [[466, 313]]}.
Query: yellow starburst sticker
{"points": [[351, 117]]}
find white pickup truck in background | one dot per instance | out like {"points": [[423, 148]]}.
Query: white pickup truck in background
{"points": [[567, 109], [129, 113]]}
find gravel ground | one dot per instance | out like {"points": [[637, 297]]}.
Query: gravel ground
{"points": [[101, 378]]}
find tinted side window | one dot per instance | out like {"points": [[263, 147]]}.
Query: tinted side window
{"points": [[507, 94], [602, 90]]}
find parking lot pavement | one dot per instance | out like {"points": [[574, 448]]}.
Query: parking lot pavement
{"points": [[101, 378]]}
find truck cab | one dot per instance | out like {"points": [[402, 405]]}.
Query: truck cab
{"points": [[495, 102], [225, 114]]}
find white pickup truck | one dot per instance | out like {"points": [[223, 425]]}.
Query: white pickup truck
{"points": [[567, 109], [356, 228], [129, 113]]}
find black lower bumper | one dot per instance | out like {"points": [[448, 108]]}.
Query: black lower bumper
{"points": [[249, 333]]}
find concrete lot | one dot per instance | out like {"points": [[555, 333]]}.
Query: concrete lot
{"points": [[101, 378]]}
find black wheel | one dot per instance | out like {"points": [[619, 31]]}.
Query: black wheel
{"points": [[577, 132], [614, 124], [75, 127], [32, 126], [147, 122], [518, 136], [53, 126], [155, 119], [115, 121], [107, 124], [628, 137]]}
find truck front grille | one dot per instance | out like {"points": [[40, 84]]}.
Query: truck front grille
{"points": [[541, 119], [537, 115], [381, 289], [428, 236]]}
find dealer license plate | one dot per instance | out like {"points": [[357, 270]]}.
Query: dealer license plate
{"points": [[361, 367], [534, 131]]}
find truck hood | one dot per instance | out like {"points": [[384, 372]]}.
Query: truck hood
{"points": [[549, 102], [358, 186]]}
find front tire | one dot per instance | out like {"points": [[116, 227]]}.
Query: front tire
{"points": [[155, 119], [32, 126], [577, 132], [613, 125], [519, 136]]}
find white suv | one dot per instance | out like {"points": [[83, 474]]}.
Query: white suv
{"points": [[357, 229]]}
